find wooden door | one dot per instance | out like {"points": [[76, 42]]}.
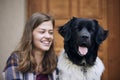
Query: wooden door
{"points": [[113, 10], [63, 10]]}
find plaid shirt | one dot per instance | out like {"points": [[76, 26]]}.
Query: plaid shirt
{"points": [[10, 73]]}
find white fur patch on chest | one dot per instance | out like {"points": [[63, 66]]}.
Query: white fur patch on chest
{"points": [[70, 71]]}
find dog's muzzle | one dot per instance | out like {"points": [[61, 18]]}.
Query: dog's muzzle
{"points": [[84, 42]]}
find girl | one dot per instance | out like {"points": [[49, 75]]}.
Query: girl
{"points": [[34, 59]]}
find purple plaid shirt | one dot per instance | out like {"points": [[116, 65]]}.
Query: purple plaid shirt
{"points": [[10, 73]]}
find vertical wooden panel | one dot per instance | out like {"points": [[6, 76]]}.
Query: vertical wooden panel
{"points": [[91, 9], [36, 6], [74, 8], [114, 39], [59, 8]]}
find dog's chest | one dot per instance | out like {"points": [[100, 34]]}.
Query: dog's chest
{"points": [[70, 71], [78, 74]]}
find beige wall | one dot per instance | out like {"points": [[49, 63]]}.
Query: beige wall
{"points": [[12, 20]]}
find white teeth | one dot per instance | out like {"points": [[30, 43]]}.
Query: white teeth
{"points": [[46, 42]]}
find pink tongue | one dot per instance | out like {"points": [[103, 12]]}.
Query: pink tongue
{"points": [[83, 50]]}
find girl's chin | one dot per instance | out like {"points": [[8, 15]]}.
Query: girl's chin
{"points": [[45, 48]]}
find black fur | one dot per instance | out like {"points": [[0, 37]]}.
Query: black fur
{"points": [[82, 32]]}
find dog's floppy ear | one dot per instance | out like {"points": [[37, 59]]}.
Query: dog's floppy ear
{"points": [[65, 30], [101, 35]]}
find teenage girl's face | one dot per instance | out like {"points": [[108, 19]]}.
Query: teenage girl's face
{"points": [[43, 36]]}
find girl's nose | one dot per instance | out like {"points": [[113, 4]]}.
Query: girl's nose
{"points": [[48, 35]]}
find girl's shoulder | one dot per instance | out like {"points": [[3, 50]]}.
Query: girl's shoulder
{"points": [[12, 61]]}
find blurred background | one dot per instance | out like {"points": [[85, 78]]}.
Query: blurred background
{"points": [[14, 13]]}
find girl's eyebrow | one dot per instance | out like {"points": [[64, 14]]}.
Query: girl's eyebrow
{"points": [[41, 29], [45, 29]]}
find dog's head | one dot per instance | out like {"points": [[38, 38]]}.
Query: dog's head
{"points": [[82, 38]]}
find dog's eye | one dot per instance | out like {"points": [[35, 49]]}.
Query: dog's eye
{"points": [[79, 28], [90, 29]]}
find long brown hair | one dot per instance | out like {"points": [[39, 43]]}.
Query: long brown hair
{"points": [[27, 61]]}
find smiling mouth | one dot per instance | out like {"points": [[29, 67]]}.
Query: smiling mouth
{"points": [[46, 43]]}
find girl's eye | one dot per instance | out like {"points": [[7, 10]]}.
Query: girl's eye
{"points": [[51, 32], [41, 32]]}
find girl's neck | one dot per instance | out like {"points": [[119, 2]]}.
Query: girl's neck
{"points": [[38, 56]]}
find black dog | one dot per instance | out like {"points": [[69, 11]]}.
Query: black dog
{"points": [[82, 38]]}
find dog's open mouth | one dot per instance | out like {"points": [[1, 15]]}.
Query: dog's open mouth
{"points": [[82, 50]]}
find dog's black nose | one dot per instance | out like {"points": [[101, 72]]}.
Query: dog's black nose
{"points": [[84, 37]]}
